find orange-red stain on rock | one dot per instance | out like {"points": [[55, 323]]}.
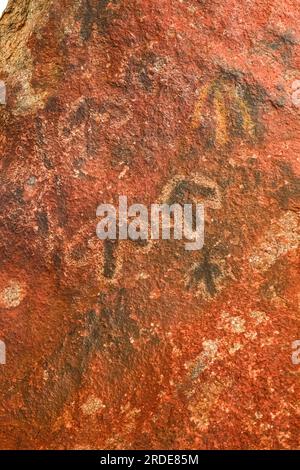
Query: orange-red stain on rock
{"points": [[131, 345]]}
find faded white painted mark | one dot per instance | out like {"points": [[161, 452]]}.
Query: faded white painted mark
{"points": [[2, 92], [2, 353]]}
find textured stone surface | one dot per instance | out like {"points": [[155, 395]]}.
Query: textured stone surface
{"points": [[128, 346]]}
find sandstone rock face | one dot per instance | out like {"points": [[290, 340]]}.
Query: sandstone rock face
{"points": [[127, 345]]}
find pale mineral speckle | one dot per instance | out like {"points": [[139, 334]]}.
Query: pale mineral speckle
{"points": [[32, 180], [45, 375], [236, 347], [252, 335]]}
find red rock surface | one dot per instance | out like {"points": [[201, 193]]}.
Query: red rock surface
{"points": [[125, 346]]}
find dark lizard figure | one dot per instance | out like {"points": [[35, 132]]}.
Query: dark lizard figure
{"points": [[206, 272]]}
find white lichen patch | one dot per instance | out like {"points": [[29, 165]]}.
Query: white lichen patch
{"points": [[259, 317], [282, 237], [92, 406], [235, 324], [204, 400], [12, 295], [205, 358]]}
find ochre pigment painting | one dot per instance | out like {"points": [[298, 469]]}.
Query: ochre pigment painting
{"points": [[149, 225]]}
